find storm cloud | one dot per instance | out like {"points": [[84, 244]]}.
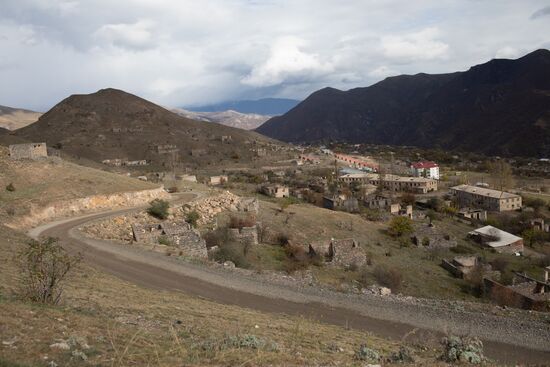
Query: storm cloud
{"points": [[184, 52]]}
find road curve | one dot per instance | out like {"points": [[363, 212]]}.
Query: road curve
{"points": [[506, 340]]}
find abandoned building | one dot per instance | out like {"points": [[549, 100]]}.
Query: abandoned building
{"points": [[358, 162], [488, 199], [431, 237], [226, 138], [472, 214], [341, 203], [527, 293], [248, 205], [419, 185], [275, 190], [497, 239], [247, 236], [463, 266], [403, 211], [540, 225], [178, 234], [165, 154], [28, 151], [218, 180], [345, 252], [377, 202]]}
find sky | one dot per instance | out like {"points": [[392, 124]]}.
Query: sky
{"points": [[194, 52]]}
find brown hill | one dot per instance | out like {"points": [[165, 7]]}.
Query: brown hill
{"points": [[501, 107], [112, 124], [16, 118]]}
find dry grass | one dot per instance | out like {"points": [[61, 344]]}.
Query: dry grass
{"points": [[124, 324], [43, 182]]}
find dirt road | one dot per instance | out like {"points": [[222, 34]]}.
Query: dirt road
{"points": [[507, 340]]}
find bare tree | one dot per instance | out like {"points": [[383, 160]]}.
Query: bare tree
{"points": [[44, 266], [502, 175]]}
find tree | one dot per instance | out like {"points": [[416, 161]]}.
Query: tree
{"points": [[44, 266], [408, 198], [158, 208], [192, 218], [501, 175], [400, 226], [431, 215]]}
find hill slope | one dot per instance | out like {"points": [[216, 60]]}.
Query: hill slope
{"points": [[112, 124], [264, 106], [500, 107], [246, 121], [16, 118]]}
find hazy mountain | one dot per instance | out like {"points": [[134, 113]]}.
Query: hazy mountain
{"points": [[112, 124], [246, 121], [15, 118], [265, 106], [500, 107]]}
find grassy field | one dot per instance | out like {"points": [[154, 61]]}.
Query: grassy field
{"points": [[42, 182], [119, 324]]}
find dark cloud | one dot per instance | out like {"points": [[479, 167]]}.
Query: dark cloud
{"points": [[541, 13]]}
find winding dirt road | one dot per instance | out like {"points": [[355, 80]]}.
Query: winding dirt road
{"points": [[506, 339]]}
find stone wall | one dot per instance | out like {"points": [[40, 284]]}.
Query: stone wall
{"points": [[245, 235], [93, 203], [28, 151]]}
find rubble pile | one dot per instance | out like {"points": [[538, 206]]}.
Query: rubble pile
{"points": [[209, 207]]}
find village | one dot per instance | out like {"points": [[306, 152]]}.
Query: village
{"points": [[349, 222]]}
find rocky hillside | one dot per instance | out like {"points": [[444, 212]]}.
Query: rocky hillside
{"points": [[501, 107], [113, 124], [16, 118], [246, 121]]}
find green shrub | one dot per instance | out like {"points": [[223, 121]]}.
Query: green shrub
{"points": [[158, 208], [192, 218], [10, 187], [400, 226], [463, 350], [163, 240], [403, 355], [367, 354]]}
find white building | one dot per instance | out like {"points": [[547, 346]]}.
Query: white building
{"points": [[425, 169]]}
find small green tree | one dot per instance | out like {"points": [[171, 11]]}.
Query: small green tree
{"points": [[158, 208], [192, 218], [10, 187], [400, 226], [44, 266], [431, 215]]}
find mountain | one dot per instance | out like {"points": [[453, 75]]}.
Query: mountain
{"points": [[501, 107], [265, 106], [16, 118], [113, 124], [246, 121]]}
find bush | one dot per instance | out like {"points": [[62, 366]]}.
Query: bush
{"points": [[44, 266], [367, 354], [192, 218], [400, 226], [158, 208], [10, 187], [408, 199], [403, 355], [463, 350], [388, 277], [282, 239], [216, 238], [163, 240]]}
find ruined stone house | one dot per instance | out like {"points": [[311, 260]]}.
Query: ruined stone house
{"points": [[463, 266], [276, 191], [218, 180], [248, 205], [179, 234], [28, 151], [342, 203], [247, 236], [345, 252]]}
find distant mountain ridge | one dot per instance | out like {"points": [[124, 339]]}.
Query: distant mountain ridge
{"points": [[15, 118], [264, 106], [246, 121], [501, 107]]}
